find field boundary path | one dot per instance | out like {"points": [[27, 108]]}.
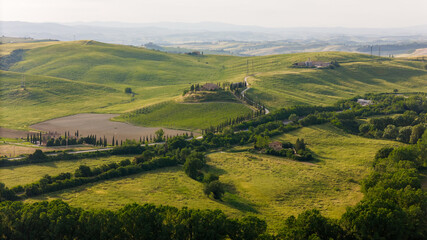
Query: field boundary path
{"points": [[247, 99], [93, 150], [74, 152]]}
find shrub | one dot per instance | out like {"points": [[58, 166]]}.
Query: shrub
{"points": [[214, 188], [83, 171], [37, 156], [210, 177]]}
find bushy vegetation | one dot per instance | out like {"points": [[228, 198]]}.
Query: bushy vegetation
{"points": [[298, 151], [57, 220], [7, 61]]}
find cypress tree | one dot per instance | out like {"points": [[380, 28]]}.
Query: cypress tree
{"points": [[112, 142]]}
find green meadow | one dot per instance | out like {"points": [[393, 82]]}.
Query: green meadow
{"points": [[272, 188], [49, 97], [187, 115], [25, 174]]}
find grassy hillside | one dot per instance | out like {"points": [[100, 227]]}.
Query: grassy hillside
{"points": [[187, 115], [47, 97], [272, 188], [106, 63], [157, 77], [326, 86], [7, 48]]}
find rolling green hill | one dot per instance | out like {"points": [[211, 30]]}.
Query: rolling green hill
{"points": [[326, 86], [96, 75], [92, 61]]}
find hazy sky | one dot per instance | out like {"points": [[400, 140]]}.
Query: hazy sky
{"points": [[268, 13]]}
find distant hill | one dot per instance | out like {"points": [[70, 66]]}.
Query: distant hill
{"points": [[388, 46], [161, 33], [4, 39]]}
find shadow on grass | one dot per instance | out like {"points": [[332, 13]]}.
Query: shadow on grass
{"points": [[314, 160], [236, 202], [216, 170]]}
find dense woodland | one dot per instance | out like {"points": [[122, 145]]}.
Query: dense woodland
{"points": [[394, 205]]}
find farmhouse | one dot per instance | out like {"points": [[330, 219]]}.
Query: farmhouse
{"points": [[276, 146], [210, 87], [364, 102], [195, 53], [312, 64]]}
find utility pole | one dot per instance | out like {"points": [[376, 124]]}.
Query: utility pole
{"points": [[371, 50], [23, 82]]}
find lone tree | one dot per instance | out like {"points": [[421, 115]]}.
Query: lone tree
{"points": [[159, 135], [128, 90], [214, 188], [294, 118], [395, 90]]}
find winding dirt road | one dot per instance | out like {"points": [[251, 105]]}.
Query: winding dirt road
{"points": [[246, 89]]}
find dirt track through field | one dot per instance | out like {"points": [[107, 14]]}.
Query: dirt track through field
{"points": [[99, 125]]}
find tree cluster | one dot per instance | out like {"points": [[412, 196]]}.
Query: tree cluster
{"points": [[297, 151], [58, 220], [407, 128]]}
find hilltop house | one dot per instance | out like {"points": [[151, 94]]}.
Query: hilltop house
{"points": [[195, 53], [312, 64], [210, 87]]}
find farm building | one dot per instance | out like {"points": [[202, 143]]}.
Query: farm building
{"points": [[364, 102], [210, 87], [312, 64], [276, 146], [195, 53]]}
